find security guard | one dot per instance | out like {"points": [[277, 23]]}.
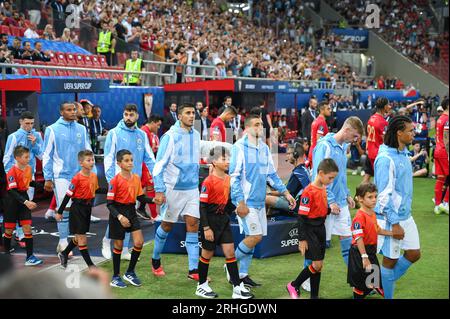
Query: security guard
{"points": [[133, 64], [106, 43]]}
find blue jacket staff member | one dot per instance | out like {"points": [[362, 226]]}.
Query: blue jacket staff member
{"points": [[334, 146], [251, 167], [394, 180], [299, 179], [176, 177], [126, 136], [26, 136], [63, 140]]}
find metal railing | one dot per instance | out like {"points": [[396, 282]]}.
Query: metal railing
{"points": [[153, 78], [146, 77]]}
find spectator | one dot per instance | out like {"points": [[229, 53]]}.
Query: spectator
{"points": [[5, 57], [26, 53], [58, 9], [38, 55], [34, 10], [15, 20], [198, 110], [67, 36], [419, 160], [31, 33], [3, 41], [49, 34], [6, 9]]}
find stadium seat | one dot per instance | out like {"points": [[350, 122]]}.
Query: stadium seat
{"points": [[41, 72], [102, 60], [15, 31], [61, 58], [95, 60], [79, 58], [70, 58], [88, 60], [5, 29]]}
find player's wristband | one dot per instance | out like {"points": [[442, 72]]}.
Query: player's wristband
{"points": [[364, 256]]}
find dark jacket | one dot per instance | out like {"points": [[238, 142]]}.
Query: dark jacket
{"points": [[306, 120], [168, 121]]}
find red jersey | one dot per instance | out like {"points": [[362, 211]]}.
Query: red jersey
{"points": [[19, 179], [313, 202], [123, 190], [376, 127], [318, 126], [365, 227], [218, 128], [441, 126], [152, 138], [83, 187]]}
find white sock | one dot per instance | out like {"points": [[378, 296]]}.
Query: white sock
{"points": [[63, 242], [242, 275]]}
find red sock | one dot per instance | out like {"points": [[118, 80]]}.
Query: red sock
{"points": [[53, 203], [438, 187]]}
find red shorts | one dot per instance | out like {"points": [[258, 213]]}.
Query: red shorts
{"points": [[441, 166]]}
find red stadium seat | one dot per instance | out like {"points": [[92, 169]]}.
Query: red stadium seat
{"points": [[71, 60], [102, 60], [61, 58], [15, 31], [53, 57], [41, 72], [88, 60], [5, 29], [79, 58], [95, 60]]}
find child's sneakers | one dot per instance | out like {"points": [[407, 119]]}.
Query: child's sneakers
{"points": [[33, 261], [241, 292], [293, 292], [132, 278], [205, 291], [117, 282]]}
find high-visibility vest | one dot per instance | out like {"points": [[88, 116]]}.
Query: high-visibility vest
{"points": [[104, 42], [132, 66]]}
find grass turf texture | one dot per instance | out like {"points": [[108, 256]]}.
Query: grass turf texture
{"points": [[428, 278]]}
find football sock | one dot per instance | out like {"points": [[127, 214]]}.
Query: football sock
{"points": [[160, 240], [203, 266], [116, 261], [192, 250], [232, 268], [135, 253]]}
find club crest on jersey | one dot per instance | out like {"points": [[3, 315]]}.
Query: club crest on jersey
{"points": [[305, 200], [11, 178], [139, 141], [357, 226], [72, 187], [203, 189], [110, 187]]}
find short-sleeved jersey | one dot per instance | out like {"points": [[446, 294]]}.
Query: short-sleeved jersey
{"points": [[83, 187], [376, 128], [19, 179], [313, 202], [216, 193], [441, 126], [319, 126], [123, 190], [218, 129], [365, 227]]}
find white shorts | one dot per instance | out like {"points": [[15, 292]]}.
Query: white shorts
{"points": [[339, 224], [390, 247], [61, 187], [180, 203], [255, 223]]}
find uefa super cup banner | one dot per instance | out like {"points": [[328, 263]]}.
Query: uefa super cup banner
{"points": [[281, 239], [71, 85], [357, 36]]}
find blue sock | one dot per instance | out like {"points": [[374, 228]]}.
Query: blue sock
{"points": [[307, 262], [19, 232], [192, 250], [401, 267], [160, 240], [244, 255], [345, 248], [63, 226], [388, 282], [126, 242]]}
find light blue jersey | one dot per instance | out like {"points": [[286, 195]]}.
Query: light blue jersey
{"points": [[251, 167], [20, 137], [177, 162], [62, 142], [393, 177], [133, 139], [328, 147]]}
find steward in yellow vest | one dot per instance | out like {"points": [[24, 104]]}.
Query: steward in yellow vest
{"points": [[133, 64], [106, 43]]}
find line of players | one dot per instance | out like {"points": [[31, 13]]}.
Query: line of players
{"points": [[249, 202]]}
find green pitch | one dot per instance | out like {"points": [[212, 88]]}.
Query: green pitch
{"points": [[428, 278]]}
